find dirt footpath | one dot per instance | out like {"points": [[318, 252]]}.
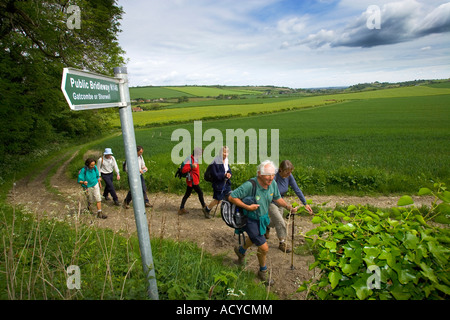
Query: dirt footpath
{"points": [[66, 202]]}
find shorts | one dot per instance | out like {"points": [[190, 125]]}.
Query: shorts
{"points": [[93, 194], [220, 195], [252, 229]]}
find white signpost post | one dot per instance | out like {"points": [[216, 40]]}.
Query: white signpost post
{"points": [[86, 90]]}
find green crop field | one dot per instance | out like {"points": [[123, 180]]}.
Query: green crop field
{"points": [[155, 93], [171, 115], [390, 143], [221, 110], [201, 91], [188, 91]]}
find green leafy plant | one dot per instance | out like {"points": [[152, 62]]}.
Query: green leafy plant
{"points": [[439, 211], [375, 254]]}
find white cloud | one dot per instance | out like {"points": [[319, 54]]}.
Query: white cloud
{"points": [[294, 25], [177, 42], [399, 21]]}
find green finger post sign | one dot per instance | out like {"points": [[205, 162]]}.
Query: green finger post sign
{"points": [[86, 90]]}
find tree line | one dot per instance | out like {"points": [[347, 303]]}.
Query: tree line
{"points": [[36, 43]]}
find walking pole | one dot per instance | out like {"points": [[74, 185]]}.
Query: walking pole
{"points": [[223, 188], [214, 214], [85, 191], [292, 243]]}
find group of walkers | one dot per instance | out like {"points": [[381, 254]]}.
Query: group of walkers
{"points": [[91, 175], [272, 184]]}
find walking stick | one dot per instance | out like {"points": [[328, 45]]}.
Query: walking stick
{"points": [[214, 214], [292, 243], [85, 191], [217, 205]]}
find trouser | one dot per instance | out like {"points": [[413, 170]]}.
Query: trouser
{"points": [[188, 192], [144, 191], [277, 221], [109, 187]]}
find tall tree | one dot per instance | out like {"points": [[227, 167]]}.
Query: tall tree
{"points": [[36, 43]]}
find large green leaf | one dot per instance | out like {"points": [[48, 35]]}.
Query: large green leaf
{"points": [[347, 227], [444, 196], [331, 245], [374, 240], [443, 208], [361, 288], [338, 214], [445, 289], [372, 252], [419, 218], [428, 272], [334, 278], [400, 293], [316, 220], [438, 251], [424, 191], [374, 228], [405, 275], [410, 241], [352, 267], [404, 201]]}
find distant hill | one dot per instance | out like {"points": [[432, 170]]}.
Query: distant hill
{"points": [[173, 92], [230, 92], [387, 85]]}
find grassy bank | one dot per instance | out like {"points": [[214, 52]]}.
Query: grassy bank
{"points": [[35, 255]]}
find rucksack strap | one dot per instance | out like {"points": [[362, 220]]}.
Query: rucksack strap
{"points": [[240, 234], [85, 169], [254, 186]]}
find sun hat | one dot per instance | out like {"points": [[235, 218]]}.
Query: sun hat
{"points": [[107, 151]]}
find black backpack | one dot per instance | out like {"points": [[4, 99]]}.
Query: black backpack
{"points": [[233, 215], [179, 172], [208, 176]]}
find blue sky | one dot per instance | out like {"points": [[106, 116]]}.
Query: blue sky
{"points": [[297, 44]]}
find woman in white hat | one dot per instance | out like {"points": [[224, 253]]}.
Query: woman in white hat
{"points": [[106, 165]]}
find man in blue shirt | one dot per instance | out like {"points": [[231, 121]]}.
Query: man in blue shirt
{"points": [[258, 213]]}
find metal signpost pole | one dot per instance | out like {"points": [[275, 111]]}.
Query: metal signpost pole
{"points": [[86, 90], [126, 120]]}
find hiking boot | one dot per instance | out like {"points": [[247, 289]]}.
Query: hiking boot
{"points": [[264, 277], [148, 205], [125, 204], [284, 247], [117, 203], [182, 211], [206, 212], [241, 256], [101, 215], [267, 235]]}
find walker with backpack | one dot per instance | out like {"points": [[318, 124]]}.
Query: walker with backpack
{"points": [[85, 189], [234, 216]]}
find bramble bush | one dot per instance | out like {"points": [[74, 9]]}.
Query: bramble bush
{"points": [[400, 254]]}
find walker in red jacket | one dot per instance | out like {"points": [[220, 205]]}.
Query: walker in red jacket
{"points": [[192, 180]]}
